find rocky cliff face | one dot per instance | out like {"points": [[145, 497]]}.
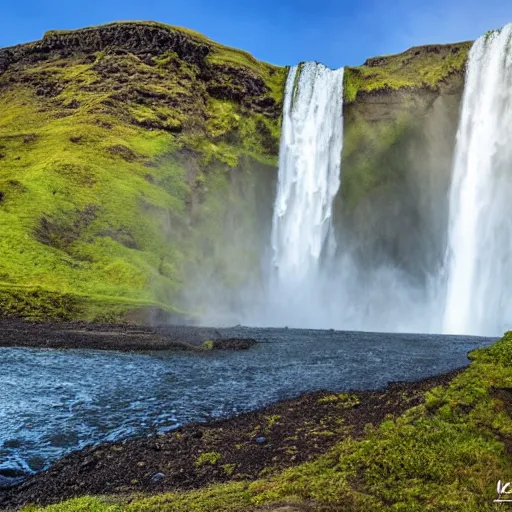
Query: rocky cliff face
{"points": [[401, 119], [147, 41], [139, 159]]}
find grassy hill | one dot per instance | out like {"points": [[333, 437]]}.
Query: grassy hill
{"points": [[110, 138]]}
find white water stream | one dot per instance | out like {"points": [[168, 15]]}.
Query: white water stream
{"points": [[479, 257], [309, 179]]}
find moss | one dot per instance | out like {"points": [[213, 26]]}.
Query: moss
{"points": [[343, 400], [296, 82], [373, 155], [208, 458], [272, 420], [229, 469], [208, 345], [421, 67]]}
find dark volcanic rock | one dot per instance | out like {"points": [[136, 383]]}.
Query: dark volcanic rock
{"points": [[157, 477], [137, 38], [121, 337], [144, 41]]}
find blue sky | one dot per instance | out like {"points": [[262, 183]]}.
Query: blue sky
{"points": [[335, 32]]}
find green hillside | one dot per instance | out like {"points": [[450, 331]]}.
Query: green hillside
{"points": [[109, 139]]}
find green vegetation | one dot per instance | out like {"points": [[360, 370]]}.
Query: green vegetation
{"points": [[123, 172], [374, 154], [272, 420], [208, 345], [106, 164], [229, 469], [210, 458], [343, 400], [444, 455], [419, 67]]}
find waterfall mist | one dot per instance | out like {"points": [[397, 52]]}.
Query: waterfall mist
{"points": [[323, 273], [309, 179]]}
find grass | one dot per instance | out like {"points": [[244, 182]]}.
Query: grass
{"points": [[416, 68], [344, 400], [47, 185], [444, 455], [210, 458]]}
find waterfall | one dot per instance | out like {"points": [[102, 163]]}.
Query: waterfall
{"points": [[479, 254], [308, 181]]}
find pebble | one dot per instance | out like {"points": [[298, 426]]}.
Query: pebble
{"points": [[261, 440], [157, 477]]}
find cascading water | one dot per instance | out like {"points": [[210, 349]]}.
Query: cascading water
{"points": [[479, 256], [309, 179]]}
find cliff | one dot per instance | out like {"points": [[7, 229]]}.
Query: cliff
{"points": [[401, 118], [139, 159]]}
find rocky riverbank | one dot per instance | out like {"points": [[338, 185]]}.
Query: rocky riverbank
{"points": [[246, 447], [120, 337]]}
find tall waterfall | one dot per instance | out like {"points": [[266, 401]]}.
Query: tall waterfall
{"points": [[308, 181], [479, 257]]}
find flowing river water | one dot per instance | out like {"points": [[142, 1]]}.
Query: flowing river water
{"points": [[53, 402]]}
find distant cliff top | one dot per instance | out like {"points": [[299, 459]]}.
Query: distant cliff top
{"points": [[137, 37], [419, 67], [422, 66]]}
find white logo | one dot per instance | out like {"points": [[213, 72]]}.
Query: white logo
{"points": [[503, 493]]}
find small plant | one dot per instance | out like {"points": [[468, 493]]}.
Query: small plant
{"points": [[208, 345], [272, 420], [229, 469], [210, 458], [489, 34], [343, 400]]}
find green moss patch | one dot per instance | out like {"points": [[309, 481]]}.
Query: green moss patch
{"points": [[420, 67]]}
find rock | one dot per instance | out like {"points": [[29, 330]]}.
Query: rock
{"points": [[11, 477], [88, 462], [233, 344], [261, 440], [157, 477], [138, 38]]}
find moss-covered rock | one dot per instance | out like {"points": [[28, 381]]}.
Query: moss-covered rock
{"points": [[421, 67], [400, 134]]}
